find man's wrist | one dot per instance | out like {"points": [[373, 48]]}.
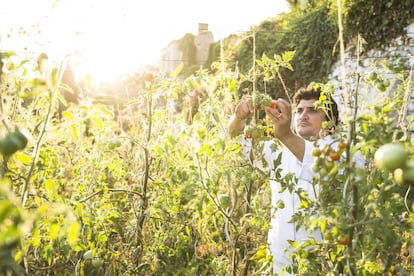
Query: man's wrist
{"points": [[236, 126], [284, 136], [237, 119]]}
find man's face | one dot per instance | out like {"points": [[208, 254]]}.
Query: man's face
{"points": [[308, 119]]}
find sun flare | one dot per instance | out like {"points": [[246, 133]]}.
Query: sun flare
{"points": [[108, 39]]}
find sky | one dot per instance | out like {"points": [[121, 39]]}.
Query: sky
{"points": [[121, 34]]}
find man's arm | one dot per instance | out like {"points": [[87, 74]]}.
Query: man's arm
{"points": [[295, 144]]}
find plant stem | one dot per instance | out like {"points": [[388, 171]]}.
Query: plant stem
{"points": [[42, 132], [342, 56]]}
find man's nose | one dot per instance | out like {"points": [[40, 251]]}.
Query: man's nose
{"points": [[304, 115]]}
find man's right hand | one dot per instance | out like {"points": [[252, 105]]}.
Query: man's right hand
{"points": [[243, 111]]}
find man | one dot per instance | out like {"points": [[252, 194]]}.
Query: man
{"points": [[296, 159]]}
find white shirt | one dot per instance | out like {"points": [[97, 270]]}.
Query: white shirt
{"points": [[281, 229]]}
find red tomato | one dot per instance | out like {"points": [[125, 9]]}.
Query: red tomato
{"points": [[334, 155], [342, 145], [149, 77], [344, 240]]}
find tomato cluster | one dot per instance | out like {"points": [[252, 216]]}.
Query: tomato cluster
{"points": [[326, 157], [394, 157], [261, 100], [253, 131], [379, 82], [13, 142], [334, 236]]}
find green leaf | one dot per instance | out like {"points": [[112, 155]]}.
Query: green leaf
{"points": [[54, 231], [304, 204], [323, 225], [97, 121], [261, 253], [73, 234], [19, 256], [5, 208], [36, 237], [24, 158], [288, 56], [293, 243], [75, 133], [68, 115], [232, 85], [205, 148], [106, 111], [177, 71], [50, 186], [54, 76]]}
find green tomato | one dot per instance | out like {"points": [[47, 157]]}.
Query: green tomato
{"points": [[328, 236], [267, 101], [114, 144], [315, 168], [9, 145], [257, 100], [405, 175], [87, 255], [316, 152], [19, 138], [380, 85], [372, 76], [323, 172], [97, 262], [225, 201], [391, 156], [330, 165], [319, 161], [256, 133]]}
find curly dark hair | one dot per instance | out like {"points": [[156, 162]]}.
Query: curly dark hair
{"points": [[314, 93]]}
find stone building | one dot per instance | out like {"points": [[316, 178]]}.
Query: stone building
{"points": [[172, 56], [202, 42]]}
